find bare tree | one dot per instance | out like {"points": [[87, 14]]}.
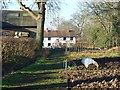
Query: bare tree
{"points": [[56, 21]]}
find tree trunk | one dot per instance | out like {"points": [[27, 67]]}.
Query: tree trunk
{"points": [[40, 19], [40, 26]]}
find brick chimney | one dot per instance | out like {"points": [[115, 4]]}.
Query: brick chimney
{"points": [[46, 30]]}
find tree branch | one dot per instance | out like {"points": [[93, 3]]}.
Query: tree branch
{"points": [[23, 7], [96, 13], [41, 7]]}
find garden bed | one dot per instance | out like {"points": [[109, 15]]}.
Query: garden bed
{"points": [[107, 75]]}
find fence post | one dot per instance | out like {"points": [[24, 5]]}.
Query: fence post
{"points": [[65, 64]]}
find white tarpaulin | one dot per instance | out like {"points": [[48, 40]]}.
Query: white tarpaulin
{"points": [[88, 61]]}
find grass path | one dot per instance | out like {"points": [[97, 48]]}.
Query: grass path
{"points": [[42, 74]]}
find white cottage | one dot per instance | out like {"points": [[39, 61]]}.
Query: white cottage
{"points": [[55, 38]]}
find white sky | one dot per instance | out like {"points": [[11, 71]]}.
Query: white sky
{"points": [[68, 8]]}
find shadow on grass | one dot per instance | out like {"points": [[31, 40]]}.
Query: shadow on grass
{"points": [[18, 63], [37, 67], [62, 86], [54, 86], [33, 74], [37, 73], [52, 62]]}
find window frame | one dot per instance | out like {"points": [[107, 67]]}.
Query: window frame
{"points": [[64, 38], [49, 38], [71, 38], [49, 44]]}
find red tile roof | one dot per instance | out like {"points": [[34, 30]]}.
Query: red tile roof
{"points": [[56, 33]]}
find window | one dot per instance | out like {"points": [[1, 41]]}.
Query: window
{"points": [[64, 38], [71, 38], [49, 44], [49, 38], [49, 31]]}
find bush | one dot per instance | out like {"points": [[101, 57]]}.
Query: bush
{"points": [[43, 53], [16, 53]]}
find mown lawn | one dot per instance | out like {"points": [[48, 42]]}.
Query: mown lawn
{"points": [[44, 72]]}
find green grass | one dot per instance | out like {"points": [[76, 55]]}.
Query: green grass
{"points": [[44, 72], [75, 55]]}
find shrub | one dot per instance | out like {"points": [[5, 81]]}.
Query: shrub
{"points": [[43, 53], [16, 53]]}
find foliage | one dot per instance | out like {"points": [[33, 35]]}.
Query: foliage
{"points": [[97, 23], [106, 14], [16, 53]]}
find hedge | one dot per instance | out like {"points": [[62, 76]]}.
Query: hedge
{"points": [[16, 53]]}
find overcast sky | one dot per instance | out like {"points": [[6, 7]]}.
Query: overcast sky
{"points": [[67, 8]]}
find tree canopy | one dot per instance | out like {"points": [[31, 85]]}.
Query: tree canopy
{"points": [[98, 22]]}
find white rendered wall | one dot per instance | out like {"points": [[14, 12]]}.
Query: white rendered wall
{"points": [[54, 39]]}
